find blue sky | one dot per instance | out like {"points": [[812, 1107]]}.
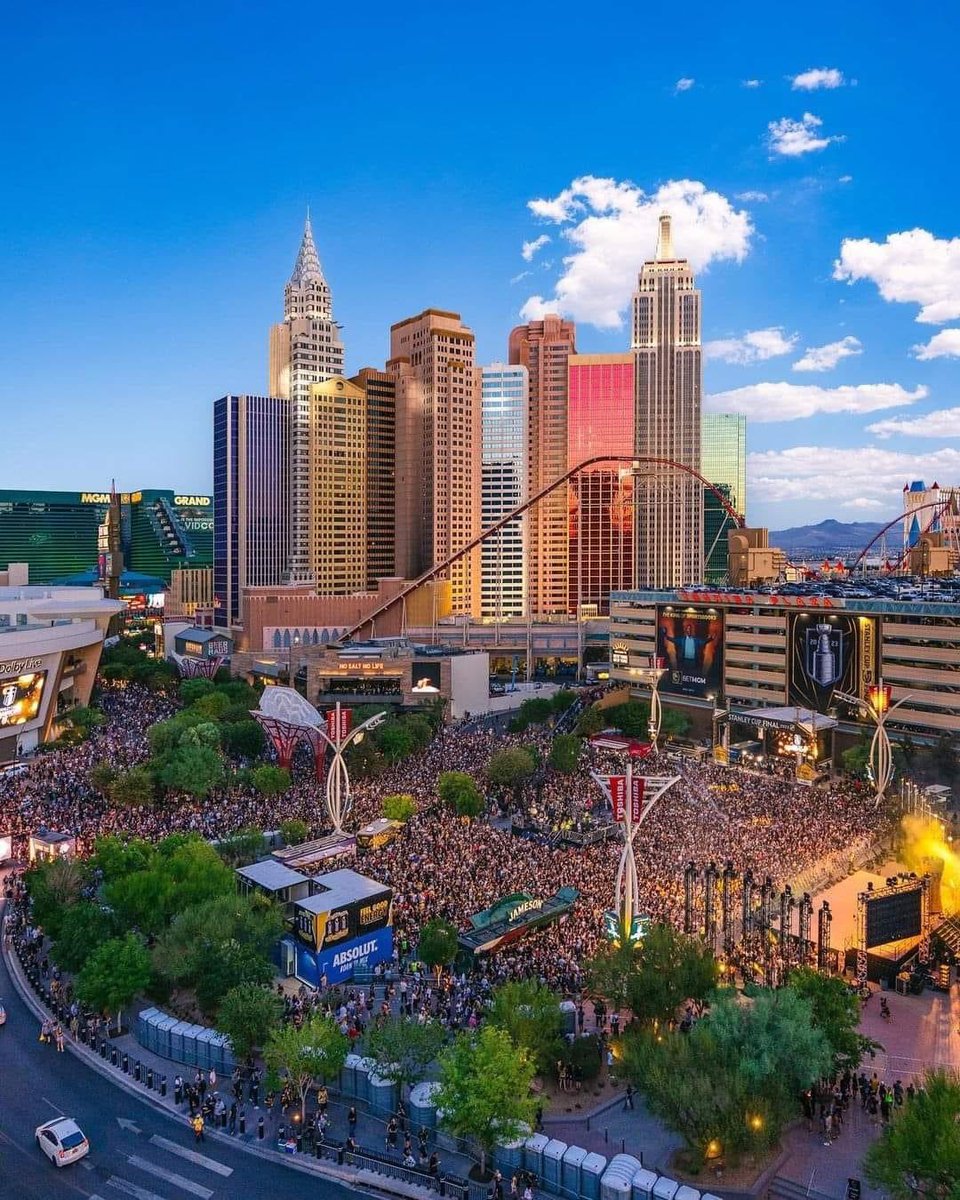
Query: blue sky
{"points": [[158, 162]]}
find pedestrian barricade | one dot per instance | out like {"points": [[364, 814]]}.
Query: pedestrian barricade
{"points": [[533, 1149], [616, 1183], [383, 1093], [380, 1164], [423, 1106], [643, 1184], [553, 1153], [570, 1171], [591, 1172]]}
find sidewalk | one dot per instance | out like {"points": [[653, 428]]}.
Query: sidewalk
{"points": [[262, 1126]]}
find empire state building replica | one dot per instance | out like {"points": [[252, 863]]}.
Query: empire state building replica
{"points": [[668, 379]]}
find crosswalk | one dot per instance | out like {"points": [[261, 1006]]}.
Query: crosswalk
{"points": [[173, 1184]]}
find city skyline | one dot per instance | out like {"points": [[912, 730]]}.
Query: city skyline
{"points": [[830, 279]]}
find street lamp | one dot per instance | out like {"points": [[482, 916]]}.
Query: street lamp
{"points": [[651, 675], [878, 708], [338, 736]]}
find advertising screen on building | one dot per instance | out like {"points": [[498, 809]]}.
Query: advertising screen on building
{"points": [[20, 698], [690, 640], [426, 676], [831, 652]]}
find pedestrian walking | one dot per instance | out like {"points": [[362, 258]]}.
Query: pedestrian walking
{"points": [[197, 1124], [352, 1120], [628, 1098], [391, 1139], [58, 1036]]}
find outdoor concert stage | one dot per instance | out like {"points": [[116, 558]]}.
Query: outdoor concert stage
{"points": [[842, 898]]}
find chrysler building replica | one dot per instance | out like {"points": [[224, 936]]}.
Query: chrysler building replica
{"points": [[668, 379]]}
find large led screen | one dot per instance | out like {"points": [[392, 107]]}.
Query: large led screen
{"points": [[20, 698], [691, 643], [831, 652]]}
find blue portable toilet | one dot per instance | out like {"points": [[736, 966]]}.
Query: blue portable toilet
{"points": [[665, 1189], [643, 1184], [687, 1193], [382, 1092], [204, 1049], [533, 1149], [177, 1049], [162, 1034], [363, 1079], [221, 1054], [570, 1170], [191, 1051], [348, 1076], [553, 1153], [508, 1156], [423, 1105], [568, 1011], [591, 1170], [616, 1183]]}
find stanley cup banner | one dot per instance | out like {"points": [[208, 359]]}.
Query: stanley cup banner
{"points": [[831, 652]]}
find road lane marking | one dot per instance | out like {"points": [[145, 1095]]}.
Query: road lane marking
{"points": [[58, 1111], [201, 1160], [180, 1181], [131, 1189]]}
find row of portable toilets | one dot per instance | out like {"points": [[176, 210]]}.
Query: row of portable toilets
{"points": [[562, 1170], [184, 1042]]}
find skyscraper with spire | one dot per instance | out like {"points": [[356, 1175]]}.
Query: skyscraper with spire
{"points": [[668, 377], [305, 349]]}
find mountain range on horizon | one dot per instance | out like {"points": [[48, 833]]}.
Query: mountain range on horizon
{"points": [[829, 536]]}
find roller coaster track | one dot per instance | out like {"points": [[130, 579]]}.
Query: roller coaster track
{"points": [[441, 567], [943, 507]]}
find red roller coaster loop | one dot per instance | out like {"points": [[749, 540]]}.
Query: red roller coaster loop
{"points": [[944, 507], [441, 567]]}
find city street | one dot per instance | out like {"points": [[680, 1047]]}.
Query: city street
{"points": [[135, 1150]]}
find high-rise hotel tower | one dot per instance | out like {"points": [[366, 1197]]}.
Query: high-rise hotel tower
{"points": [[305, 349], [669, 388]]}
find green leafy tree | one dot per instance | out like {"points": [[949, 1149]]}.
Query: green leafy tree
{"points": [[101, 776], [591, 721], [670, 968], [183, 951], [403, 1049], [114, 857], [856, 759], [294, 832], [85, 719], [399, 807], [510, 769], [560, 701], [248, 1014], [113, 974], [83, 928], [836, 1012], [228, 966], [438, 945], [195, 770], [674, 723], [484, 1089], [213, 705], [207, 733], [534, 711], [182, 872], [460, 792], [565, 753], [244, 738], [133, 788], [270, 780], [299, 1056], [242, 847], [364, 759], [192, 689], [395, 741], [631, 718], [609, 972], [919, 1154], [530, 1014], [53, 887]]}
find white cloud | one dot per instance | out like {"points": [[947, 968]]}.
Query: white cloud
{"points": [[755, 346], [683, 85], [791, 138], [764, 402], [845, 179], [751, 83], [841, 474], [521, 276], [862, 502], [945, 344], [912, 267], [825, 358], [943, 423], [529, 249], [817, 77], [612, 226], [756, 197]]}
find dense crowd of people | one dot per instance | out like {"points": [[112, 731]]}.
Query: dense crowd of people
{"points": [[445, 867]]}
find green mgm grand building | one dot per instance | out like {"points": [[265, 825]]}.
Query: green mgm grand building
{"points": [[56, 533]]}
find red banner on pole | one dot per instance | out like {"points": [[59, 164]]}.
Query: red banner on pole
{"points": [[339, 733], [636, 799], [618, 795]]}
